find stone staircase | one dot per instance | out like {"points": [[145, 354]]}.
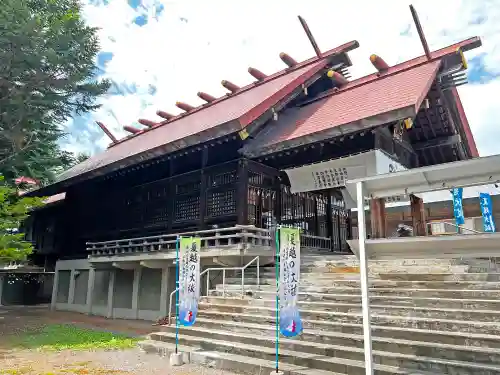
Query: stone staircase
{"points": [[428, 317]]}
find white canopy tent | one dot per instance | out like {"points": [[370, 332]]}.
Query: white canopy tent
{"points": [[479, 171]]}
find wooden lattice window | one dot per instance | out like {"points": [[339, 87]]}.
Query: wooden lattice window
{"points": [[221, 203], [221, 179], [187, 208]]}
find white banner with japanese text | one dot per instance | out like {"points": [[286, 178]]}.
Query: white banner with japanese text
{"points": [[189, 279], [289, 246]]}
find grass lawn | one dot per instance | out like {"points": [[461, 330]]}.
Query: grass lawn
{"points": [[65, 336]]}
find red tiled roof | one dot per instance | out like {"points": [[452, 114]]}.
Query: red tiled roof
{"points": [[238, 109], [385, 94], [404, 84]]}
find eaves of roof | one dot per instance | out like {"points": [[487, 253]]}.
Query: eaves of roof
{"points": [[221, 117]]}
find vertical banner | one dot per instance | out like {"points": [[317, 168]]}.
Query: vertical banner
{"points": [[189, 279], [458, 208], [487, 212], [289, 318]]}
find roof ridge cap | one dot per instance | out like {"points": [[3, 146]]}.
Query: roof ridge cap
{"points": [[396, 69], [310, 61]]}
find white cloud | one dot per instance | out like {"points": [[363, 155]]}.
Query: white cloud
{"points": [[221, 39], [482, 106]]}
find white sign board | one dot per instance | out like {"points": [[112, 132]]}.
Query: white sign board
{"points": [[334, 173]]}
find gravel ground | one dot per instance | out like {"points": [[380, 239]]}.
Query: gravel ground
{"points": [[14, 321], [124, 362]]}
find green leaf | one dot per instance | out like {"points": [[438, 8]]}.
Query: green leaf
{"points": [[47, 76]]}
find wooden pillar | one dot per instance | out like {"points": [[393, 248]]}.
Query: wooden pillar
{"points": [[329, 218], [242, 193], [418, 216], [377, 218], [171, 193], [203, 188], [279, 201]]}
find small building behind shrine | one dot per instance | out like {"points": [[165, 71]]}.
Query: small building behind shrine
{"points": [[276, 151]]}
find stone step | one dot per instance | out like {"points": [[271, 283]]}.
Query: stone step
{"points": [[308, 300], [464, 276], [331, 293], [351, 334], [320, 320], [353, 260], [376, 284], [231, 361], [339, 270], [408, 292], [393, 276], [311, 309], [256, 333], [322, 356]]}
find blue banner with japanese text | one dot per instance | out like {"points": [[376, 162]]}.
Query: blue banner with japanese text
{"points": [[487, 212], [458, 208]]}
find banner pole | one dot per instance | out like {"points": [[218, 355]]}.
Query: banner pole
{"points": [[177, 245], [277, 267]]}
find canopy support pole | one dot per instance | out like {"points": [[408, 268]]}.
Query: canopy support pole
{"points": [[363, 265]]}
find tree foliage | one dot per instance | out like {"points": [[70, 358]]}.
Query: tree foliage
{"points": [[13, 210], [47, 75]]}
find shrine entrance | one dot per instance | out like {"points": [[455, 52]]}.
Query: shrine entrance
{"points": [[320, 188], [322, 215]]}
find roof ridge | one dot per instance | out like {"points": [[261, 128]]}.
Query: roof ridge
{"points": [[315, 59], [395, 69]]}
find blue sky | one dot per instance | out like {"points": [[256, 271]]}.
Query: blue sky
{"points": [[157, 52]]}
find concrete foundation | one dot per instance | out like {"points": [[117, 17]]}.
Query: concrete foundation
{"points": [[137, 291], [176, 359]]}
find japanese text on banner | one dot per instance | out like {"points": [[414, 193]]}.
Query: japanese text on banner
{"points": [[487, 212], [458, 209], [189, 280], [290, 321]]}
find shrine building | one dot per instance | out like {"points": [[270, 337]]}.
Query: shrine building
{"points": [[277, 151]]}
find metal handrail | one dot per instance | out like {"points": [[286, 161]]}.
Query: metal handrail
{"points": [[458, 226], [224, 269]]}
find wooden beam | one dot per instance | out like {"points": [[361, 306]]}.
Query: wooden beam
{"points": [[107, 132], [310, 36], [262, 168], [420, 32], [437, 142]]}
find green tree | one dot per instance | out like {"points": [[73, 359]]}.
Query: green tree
{"points": [[13, 210], [47, 76]]}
